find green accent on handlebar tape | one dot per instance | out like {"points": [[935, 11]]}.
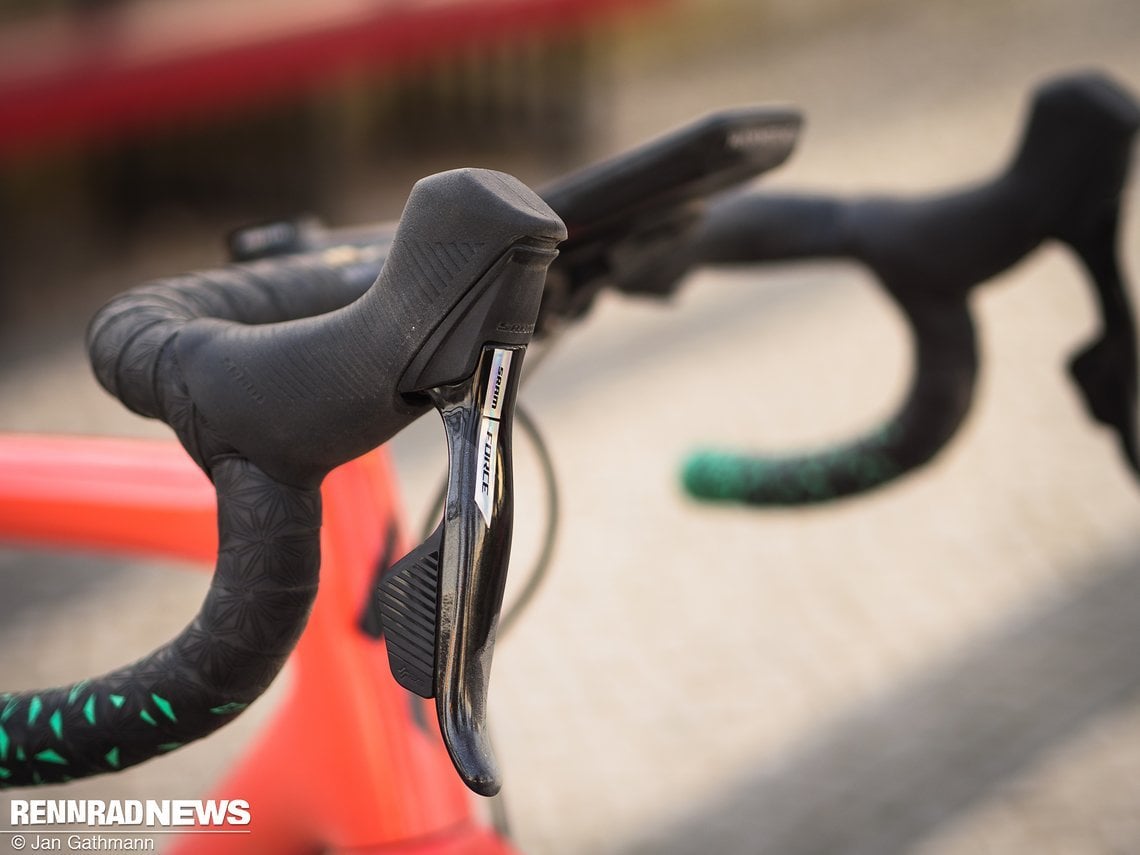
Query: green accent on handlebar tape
{"points": [[785, 480], [112, 757], [20, 755], [170, 746], [56, 722], [712, 475], [4, 773], [77, 690], [147, 717], [226, 709], [9, 708], [164, 706], [34, 709], [50, 756], [5, 742], [89, 710], [774, 481], [117, 700]]}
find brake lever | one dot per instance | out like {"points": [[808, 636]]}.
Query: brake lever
{"points": [[1105, 369], [439, 605]]}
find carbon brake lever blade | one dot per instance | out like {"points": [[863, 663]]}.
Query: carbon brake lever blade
{"points": [[440, 604], [1105, 370], [475, 550]]}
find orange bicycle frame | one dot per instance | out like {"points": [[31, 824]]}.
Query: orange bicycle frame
{"points": [[347, 763]]}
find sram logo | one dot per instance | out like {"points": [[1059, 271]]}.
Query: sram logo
{"points": [[497, 383]]}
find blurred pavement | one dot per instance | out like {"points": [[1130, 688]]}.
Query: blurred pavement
{"points": [[949, 666]]}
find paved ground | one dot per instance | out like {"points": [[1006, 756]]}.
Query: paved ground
{"points": [[946, 667]]}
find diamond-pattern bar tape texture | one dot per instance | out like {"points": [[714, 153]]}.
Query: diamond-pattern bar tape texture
{"points": [[262, 592]]}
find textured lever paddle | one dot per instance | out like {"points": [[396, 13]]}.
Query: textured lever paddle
{"points": [[409, 595]]}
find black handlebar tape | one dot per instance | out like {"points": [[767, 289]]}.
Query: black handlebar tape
{"points": [[125, 337], [255, 609], [469, 258], [1064, 182]]}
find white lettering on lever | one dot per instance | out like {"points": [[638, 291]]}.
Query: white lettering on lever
{"points": [[488, 459]]}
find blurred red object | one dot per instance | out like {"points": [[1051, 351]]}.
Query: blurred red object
{"points": [[111, 69]]}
